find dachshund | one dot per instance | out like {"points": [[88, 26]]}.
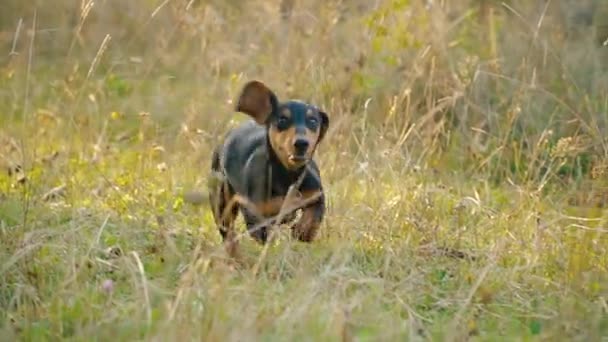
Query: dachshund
{"points": [[265, 164]]}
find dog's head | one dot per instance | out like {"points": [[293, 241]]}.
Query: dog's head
{"points": [[295, 128]]}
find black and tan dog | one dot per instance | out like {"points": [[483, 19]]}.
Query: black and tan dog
{"points": [[265, 167]]}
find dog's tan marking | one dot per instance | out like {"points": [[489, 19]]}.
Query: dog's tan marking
{"points": [[273, 206], [313, 139], [282, 144]]}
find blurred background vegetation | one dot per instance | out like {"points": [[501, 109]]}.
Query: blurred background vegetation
{"points": [[482, 83]]}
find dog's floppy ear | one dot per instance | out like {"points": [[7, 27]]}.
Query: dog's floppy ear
{"points": [[256, 100], [324, 124]]}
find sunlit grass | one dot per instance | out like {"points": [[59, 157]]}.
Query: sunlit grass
{"points": [[465, 178]]}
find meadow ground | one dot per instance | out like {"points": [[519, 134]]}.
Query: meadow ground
{"points": [[465, 169]]}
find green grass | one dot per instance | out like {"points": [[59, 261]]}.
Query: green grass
{"points": [[465, 170]]}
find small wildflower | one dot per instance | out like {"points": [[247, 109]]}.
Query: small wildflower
{"points": [[107, 286]]}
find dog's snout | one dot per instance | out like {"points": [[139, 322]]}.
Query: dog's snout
{"points": [[301, 145]]}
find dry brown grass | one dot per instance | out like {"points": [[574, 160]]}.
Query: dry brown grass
{"points": [[465, 169]]}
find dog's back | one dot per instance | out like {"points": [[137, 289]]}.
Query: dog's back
{"points": [[240, 145]]}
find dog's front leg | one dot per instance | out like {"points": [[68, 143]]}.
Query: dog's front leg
{"points": [[307, 226], [256, 227]]}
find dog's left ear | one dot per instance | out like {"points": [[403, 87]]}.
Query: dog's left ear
{"points": [[256, 100], [324, 124]]}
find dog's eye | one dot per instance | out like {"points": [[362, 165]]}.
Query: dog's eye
{"points": [[312, 121], [282, 121]]}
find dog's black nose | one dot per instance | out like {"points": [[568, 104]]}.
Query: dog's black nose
{"points": [[301, 145]]}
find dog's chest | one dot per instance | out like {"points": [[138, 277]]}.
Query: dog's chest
{"points": [[275, 194], [276, 188]]}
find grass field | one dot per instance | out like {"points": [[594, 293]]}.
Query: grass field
{"points": [[466, 170]]}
